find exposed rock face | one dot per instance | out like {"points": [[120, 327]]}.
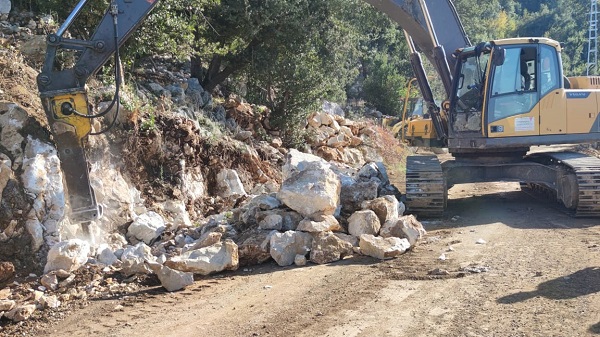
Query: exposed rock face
{"points": [[204, 261], [314, 190], [327, 247], [407, 227], [363, 222], [383, 248], [68, 255], [285, 246]]}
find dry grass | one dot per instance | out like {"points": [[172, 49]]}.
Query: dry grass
{"points": [[394, 156]]}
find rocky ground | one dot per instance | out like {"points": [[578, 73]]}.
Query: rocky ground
{"points": [[191, 185], [535, 275]]}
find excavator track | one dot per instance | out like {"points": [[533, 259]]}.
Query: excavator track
{"points": [[587, 177], [426, 192]]}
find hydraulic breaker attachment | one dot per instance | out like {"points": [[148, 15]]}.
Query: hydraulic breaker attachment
{"points": [[69, 132]]}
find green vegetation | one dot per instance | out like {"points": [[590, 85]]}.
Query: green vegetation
{"points": [[291, 54]]}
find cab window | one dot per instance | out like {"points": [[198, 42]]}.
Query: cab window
{"points": [[548, 70], [513, 90]]}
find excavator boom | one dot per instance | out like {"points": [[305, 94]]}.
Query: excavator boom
{"points": [[64, 95]]}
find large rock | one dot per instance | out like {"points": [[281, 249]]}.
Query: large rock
{"points": [[68, 255], [314, 190], [297, 161], [285, 246], [254, 247], [363, 222], [320, 223], [146, 227], [134, 259], [204, 261], [171, 279], [6, 173], [327, 247], [383, 248], [353, 194], [374, 170], [105, 255], [407, 227], [387, 208], [265, 202], [205, 240], [229, 184]]}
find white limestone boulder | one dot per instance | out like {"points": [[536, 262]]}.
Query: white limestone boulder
{"points": [[383, 248], [146, 227], [208, 260], [285, 246], [363, 222], [407, 227], [320, 223], [68, 255], [314, 190]]}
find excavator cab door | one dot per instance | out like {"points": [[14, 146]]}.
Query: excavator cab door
{"points": [[512, 100]]}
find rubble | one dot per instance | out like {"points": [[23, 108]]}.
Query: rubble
{"points": [[208, 208]]}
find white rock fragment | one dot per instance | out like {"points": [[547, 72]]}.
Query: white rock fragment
{"points": [[68, 255], [363, 222], [172, 279], [481, 242], [218, 257], [383, 248], [147, 227], [285, 246]]}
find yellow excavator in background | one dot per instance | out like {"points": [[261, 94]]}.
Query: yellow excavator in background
{"points": [[501, 98]]}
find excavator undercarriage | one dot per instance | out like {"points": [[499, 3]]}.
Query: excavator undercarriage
{"points": [[570, 178]]}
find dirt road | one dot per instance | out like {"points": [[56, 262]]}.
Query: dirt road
{"points": [[542, 279]]}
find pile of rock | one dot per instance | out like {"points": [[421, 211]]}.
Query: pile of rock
{"points": [[336, 138]]}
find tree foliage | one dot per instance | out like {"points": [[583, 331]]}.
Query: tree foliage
{"points": [[290, 54]]}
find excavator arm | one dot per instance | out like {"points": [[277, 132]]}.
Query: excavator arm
{"points": [[64, 95], [432, 27]]}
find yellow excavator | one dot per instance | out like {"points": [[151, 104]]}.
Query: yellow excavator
{"points": [[501, 98]]}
